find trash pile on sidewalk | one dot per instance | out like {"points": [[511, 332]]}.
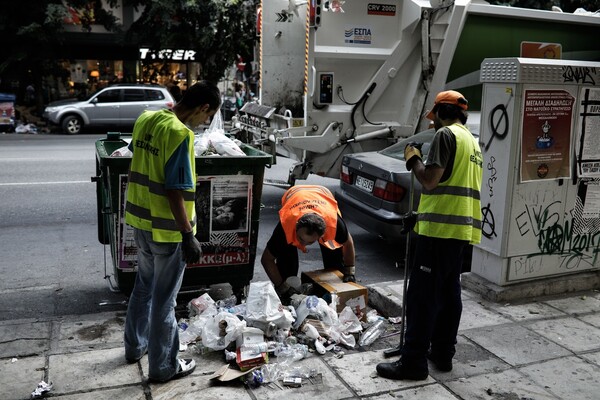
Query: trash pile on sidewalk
{"points": [[251, 333]]}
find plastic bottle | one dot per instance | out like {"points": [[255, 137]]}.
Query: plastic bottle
{"points": [[372, 333], [262, 347], [290, 354]]}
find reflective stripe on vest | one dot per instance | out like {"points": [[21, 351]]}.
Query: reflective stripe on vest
{"points": [[156, 136], [155, 187], [303, 199], [453, 209]]}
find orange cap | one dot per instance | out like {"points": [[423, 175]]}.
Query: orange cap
{"points": [[449, 97]]}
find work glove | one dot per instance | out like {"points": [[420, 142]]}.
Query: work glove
{"points": [[348, 272], [190, 248], [285, 292], [412, 152], [409, 220]]}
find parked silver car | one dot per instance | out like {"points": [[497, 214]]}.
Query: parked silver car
{"points": [[374, 188], [115, 106]]}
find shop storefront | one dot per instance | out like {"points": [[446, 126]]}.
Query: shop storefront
{"points": [[81, 77]]}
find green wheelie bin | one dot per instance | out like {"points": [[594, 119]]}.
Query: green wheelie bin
{"points": [[228, 198]]}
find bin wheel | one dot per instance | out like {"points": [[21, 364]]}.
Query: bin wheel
{"points": [[72, 125]]}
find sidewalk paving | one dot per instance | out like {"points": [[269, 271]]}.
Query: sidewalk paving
{"points": [[541, 349]]}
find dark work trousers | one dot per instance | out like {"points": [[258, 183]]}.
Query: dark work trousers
{"points": [[433, 302], [287, 262]]}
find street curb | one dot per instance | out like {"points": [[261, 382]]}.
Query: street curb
{"points": [[385, 300]]}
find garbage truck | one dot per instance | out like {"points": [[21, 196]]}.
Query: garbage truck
{"points": [[340, 77]]}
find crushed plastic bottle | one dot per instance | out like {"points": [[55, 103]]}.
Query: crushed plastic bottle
{"points": [[290, 354], [263, 347], [372, 333]]}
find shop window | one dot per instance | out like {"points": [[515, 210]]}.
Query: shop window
{"points": [[134, 95], [154, 95]]}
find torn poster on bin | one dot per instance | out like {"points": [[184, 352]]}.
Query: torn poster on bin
{"points": [[223, 210], [127, 256]]}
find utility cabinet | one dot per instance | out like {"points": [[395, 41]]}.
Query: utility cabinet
{"points": [[540, 197]]}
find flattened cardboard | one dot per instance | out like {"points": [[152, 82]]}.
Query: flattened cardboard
{"points": [[226, 373], [330, 281]]}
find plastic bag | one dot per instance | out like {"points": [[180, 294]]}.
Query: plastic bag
{"points": [[263, 306], [218, 141], [347, 323], [200, 304], [223, 145], [221, 330], [201, 144], [196, 324], [312, 305], [216, 125]]}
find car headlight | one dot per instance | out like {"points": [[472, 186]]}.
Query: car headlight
{"points": [[51, 109]]}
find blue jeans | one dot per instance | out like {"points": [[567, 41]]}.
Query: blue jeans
{"points": [[150, 323]]}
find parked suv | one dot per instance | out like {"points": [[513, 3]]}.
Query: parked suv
{"points": [[117, 105]]}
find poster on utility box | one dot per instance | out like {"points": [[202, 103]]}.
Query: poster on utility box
{"points": [[546, 135]]}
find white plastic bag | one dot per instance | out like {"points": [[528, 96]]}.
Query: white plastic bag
{"points": [[212, 332], [347, 323], [201, 144], [218, 141], [223, 145], [200, 304], [264, 306], [216, 125], [318, 308]]}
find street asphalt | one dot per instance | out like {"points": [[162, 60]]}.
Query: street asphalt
{"points": [[544, 348]]}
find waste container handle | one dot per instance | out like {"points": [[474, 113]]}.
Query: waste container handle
{"points": [[96, 178]]}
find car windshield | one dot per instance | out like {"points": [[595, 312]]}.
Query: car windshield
{"points": [[397, 150]]}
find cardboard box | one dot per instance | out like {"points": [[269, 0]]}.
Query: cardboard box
{"points": [[249, 359], [330, 281]]}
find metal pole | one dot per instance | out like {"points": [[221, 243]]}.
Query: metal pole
{"points": [[395, 351]]}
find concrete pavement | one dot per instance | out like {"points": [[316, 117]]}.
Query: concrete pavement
{"points": [[547, 348]]}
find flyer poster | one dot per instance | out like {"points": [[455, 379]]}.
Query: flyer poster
{"points": [[223, 210], [586, 214], [546, 135], [587, 148], [127, 247]]}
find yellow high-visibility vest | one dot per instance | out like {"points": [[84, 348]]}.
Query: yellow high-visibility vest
{"points": [[453, 209], [156, 136]]}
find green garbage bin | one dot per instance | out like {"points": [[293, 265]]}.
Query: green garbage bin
{"points": [[228, 195]]}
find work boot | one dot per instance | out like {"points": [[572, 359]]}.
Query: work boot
{"points": [[396, 370], [441, 364]]}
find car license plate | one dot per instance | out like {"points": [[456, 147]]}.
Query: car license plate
{"points": [[364, 183]]}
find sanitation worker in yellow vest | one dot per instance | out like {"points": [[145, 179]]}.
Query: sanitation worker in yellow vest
{"points": [[448, 220], [161, 209]]}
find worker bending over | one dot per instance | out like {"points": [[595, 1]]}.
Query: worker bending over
{"points": [[309, 213]]}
